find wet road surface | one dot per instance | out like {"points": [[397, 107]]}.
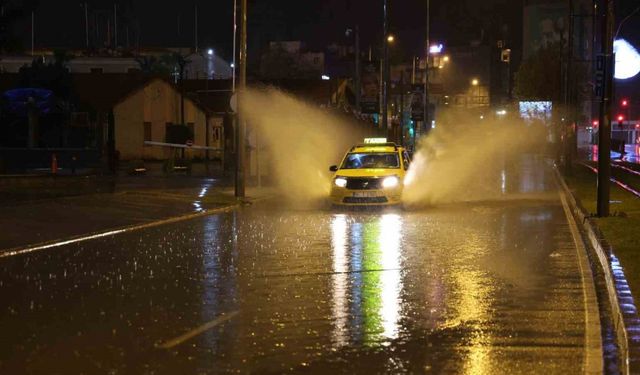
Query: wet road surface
{"points": [[485, 287]]}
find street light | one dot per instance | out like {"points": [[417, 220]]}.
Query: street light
{"points": [[475, 82], [390, 39]]}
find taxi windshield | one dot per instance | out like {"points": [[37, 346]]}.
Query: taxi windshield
{"points": [[371, 160]]}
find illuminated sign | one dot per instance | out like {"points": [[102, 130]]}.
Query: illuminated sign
{"points": [[535, 110], [627, 60], [436, 48], [375, 140]]}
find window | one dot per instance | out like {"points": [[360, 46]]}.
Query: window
{"points": [[371, 160], [147, 131]]}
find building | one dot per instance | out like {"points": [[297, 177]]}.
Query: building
{"points": [[289, 59], [146, 110]]}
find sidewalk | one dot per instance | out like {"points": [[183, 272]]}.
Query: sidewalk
{"points": [[134, 201]]}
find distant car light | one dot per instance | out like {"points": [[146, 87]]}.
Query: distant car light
{"points": [[340, 182], [390, 182]]}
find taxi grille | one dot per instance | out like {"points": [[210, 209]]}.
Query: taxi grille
{"points": [[363, 183], [364, 200]]}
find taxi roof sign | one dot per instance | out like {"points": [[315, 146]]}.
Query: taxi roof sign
{"points": [[375, 140]]}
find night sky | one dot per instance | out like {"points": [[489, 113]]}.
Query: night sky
{"points": [[60, 23]]}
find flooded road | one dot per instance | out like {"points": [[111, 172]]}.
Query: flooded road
{"points": [[483, 287]]}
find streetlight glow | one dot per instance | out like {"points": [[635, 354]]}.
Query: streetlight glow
{"points": [[436, 48], [210, 52], [325, 77], [475, 82], [391, 38]]}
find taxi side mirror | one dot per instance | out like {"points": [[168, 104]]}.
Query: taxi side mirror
{"points": [[333, 168]]}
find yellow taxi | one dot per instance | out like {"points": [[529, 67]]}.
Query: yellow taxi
{"points": [[371, 173]]}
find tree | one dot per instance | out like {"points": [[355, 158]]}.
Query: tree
{"points": [[539, 76], [175, 64]]}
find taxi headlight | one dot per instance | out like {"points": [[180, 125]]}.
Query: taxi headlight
{"points": [[340, 182], [390, 182]]}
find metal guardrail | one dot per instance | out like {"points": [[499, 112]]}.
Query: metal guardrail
{"points": [[179, 145]]}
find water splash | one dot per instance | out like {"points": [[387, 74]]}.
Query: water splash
{"points": [[302, 142]]}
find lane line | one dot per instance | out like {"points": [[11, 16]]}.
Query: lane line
{"points": [[197, 331], [57, 243], [593, 360]]}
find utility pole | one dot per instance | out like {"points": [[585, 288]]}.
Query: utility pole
{"points": [[357, 83], [241, 160], [195, 28], [233, 60], [568, 125], [86, 24], [401, 132], [427, 123], [33, 27], [604, 134], [115, 26], [385, 67]]}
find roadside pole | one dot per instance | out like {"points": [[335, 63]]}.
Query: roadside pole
{"points": [[604, 133], [241, 133], [357, 82], [427, 123], [400, 133], [568, 102], [385, 68]]}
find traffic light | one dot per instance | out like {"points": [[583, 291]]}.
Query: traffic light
{"points": [[620, 118]]}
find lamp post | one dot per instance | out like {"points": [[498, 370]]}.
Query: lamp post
{"points": [[427, 123], [604, 133], [241, 159], [385, 66]]}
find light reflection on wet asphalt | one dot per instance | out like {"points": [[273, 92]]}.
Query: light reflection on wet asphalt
{"points": [[476, 288]]}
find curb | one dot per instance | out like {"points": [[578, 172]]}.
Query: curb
{"points": [[625, 319]]}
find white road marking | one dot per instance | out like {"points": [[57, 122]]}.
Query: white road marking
{"points": [[197, 331], [58, 243], [593, 362]]}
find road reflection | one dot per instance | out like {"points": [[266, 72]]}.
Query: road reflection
{"points": [[368, 255]]}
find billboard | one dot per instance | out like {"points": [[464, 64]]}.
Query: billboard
{"points": [[370, 89], [532, 111]]}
